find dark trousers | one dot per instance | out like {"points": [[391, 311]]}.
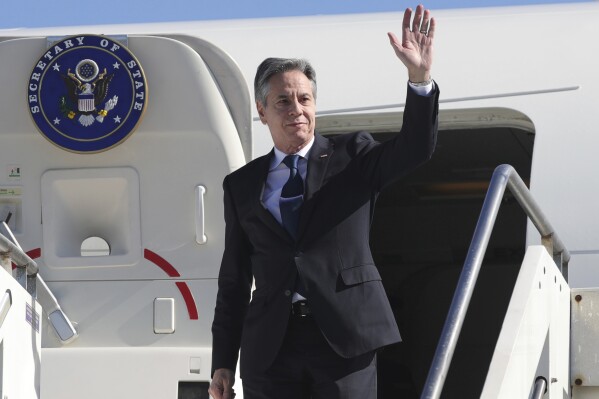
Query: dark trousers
{"points": [[307, 368]]}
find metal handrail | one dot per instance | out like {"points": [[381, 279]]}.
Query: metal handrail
{"points": [[503, 176], [20, 258], [5, 304], [36, 286], [539, 388]]}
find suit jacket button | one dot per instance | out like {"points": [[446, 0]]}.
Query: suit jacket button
{"points": [[287, 292]]}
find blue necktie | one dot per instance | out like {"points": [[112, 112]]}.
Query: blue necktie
{"points": [[292, 196], [290, 204]]}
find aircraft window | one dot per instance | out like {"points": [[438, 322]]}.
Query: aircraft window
{"points": [[95, 246]]}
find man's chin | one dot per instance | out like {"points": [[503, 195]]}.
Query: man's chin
{"points": [[300, 134]]}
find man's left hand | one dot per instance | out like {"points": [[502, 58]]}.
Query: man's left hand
{"points": [[415, 49]]}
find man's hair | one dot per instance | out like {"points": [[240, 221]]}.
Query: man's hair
{"points": [[272, 66]]}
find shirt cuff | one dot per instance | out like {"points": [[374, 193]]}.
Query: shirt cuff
{"points": [[423, 90]]}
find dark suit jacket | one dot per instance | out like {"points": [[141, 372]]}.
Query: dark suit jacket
{"points": [[331, 254]]}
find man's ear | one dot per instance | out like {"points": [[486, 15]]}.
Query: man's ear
{"points": [[260, 109]]}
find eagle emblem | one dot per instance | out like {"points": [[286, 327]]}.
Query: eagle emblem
{"points": [[87, 88], [87, 93]]}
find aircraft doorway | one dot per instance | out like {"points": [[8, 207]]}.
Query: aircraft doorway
{"points": [[420, 235]]}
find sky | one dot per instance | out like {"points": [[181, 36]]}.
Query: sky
{"points": [[46, 13]]}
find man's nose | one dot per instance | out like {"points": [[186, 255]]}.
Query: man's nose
{"points": [[295, 108]]}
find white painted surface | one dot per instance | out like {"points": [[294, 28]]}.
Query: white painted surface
{"points": [[537, 318], [20, 342]]}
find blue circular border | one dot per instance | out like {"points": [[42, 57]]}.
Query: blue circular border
{"points": [[50, 100]]}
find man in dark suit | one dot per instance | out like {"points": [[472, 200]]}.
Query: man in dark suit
{"points": [[297, 225]]}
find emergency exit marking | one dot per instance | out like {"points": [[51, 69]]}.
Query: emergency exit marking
{"points": [[10, 191], [14, 172]]}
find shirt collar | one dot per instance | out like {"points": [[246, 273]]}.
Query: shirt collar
{"points": [[280, 155]]}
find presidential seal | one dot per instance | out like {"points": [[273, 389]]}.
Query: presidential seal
{"points": [[87, 93]]}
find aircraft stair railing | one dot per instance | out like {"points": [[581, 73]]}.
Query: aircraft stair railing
{"points": [[27, 276], [26, 271], [20, 329], [540, 388], [5, 305], [504, 177]]}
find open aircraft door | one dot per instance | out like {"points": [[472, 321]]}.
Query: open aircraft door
{"points": [[126, 227]]}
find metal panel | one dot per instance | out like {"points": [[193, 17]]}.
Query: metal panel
{"points": [[164, 315], [585, 333]]}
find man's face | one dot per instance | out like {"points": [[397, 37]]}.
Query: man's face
{"points": [[289, 111]]}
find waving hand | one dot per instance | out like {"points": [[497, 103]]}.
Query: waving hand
{"points": [[415, 49]]}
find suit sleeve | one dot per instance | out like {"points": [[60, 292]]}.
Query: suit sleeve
{"points": [[383, 164], [234, 287]]}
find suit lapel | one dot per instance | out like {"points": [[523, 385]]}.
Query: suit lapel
{"points": [[318, 160], [256, 186]]}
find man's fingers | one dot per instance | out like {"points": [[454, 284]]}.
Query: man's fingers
{"points": [[407, 16], [417, 18], [431, 28], [393, 39], [229, 394], [424, 26], [221, 386], [215, 392], [219, 393]]}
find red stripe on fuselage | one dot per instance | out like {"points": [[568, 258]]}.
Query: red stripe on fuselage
{"points": [[172, 272], [189, 301], [161, 263]]}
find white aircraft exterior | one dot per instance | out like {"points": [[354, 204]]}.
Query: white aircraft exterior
{"points": [[518, 86]]}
